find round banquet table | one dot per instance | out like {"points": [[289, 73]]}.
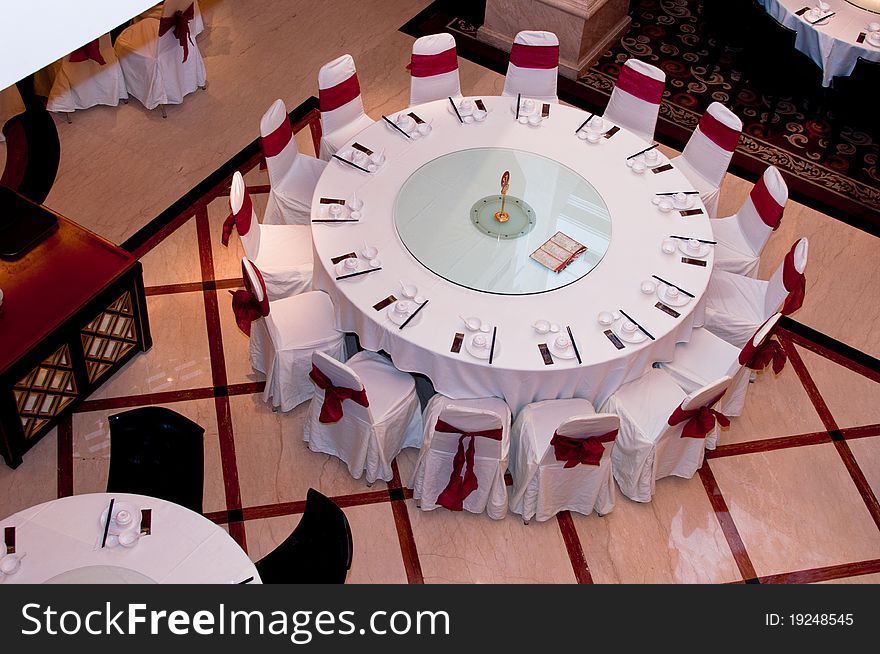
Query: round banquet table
{"points": [[60, 541], [583, 189], [833, 43]]}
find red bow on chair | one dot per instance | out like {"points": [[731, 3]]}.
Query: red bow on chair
{"points": [[228, 224], [769, 350], [587, 451], [91, 50], [700, 421], [246, 309], [334, 396], [795, 283], [460, 486], [179, 22]]}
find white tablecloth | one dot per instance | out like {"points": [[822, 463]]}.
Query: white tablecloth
{"points": [[62, 536], [832, 43], [518, 373]]}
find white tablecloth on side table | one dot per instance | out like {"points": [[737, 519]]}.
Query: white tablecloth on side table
{"points": [[518, 373], [184, 547]]}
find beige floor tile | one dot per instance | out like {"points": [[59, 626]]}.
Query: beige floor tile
{"points": [[235, 345], [867, 454], [853, 399], [460, 547], [175, 260], [376, 557], [91, 450], [33, 482], [676, 538], [227, 260], [275, 465], [796, 509]]}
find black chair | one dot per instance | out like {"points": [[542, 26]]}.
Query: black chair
{"points": [[317, 552], [155, 451], [849, 100]]}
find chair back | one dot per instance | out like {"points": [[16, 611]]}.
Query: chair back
{"points": [[786, 286], [533, 68], [711, 146], [758, 339], [245, 217], [174, 35], [157, 452], [339, 93], [761, 212], [707, 394], [254, 283], [584, 427], [635, 100], [433, 69], [468, 420], [318, 551], [277, 142], [341, 376]]}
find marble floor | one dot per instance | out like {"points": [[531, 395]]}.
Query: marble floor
{"points": [[789, 496]]}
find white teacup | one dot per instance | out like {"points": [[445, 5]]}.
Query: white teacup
{"points": [[596, 123], [123, 518], [554, 328], [528, 105], [562, 342], [485, 328], [605, 318], [693, 245], [651, 156], [541, 326], [466, 107], [823, 7], [128, 538], [468, 119], [648, 287], [639, 167], [672, 292], [480, 341], [401, 307], [480, 115], [668, 246], [628, 326], [680, 200], [335, 209], [406, 123], [350, 264]]}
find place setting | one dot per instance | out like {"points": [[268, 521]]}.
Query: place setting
{"points": [[623, 327], [481, 340], [818, 14], [352, 265], [361, 157], [10, 560], [469, 111], [527, 111], [681, 201], [409, 124], [872, 36], [404, 311], [338, 210], [123, 528], [640, 161]]}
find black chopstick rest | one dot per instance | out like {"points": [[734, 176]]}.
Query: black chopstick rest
{"points": [[413, 314]]}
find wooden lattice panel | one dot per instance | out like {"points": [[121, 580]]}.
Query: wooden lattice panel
{"points": [[108, 337], [45, 391]]}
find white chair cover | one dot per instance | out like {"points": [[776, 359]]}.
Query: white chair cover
{"points": [[366, 438], [86, 83], [635, 100], [435, 463], [534, 66], [153, 66], [283, 253], [706, 357], [543, 486], [433, 69], [282, 343], [708, 152], [742, 236], [342, 109], [292, 175], [736, 306], [648, 448], [11, 105], [198, 23]]}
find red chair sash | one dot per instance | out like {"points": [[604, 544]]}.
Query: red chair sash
{"points": [[91, 50], [241, 220], [699, 421], [587, 451], [334, 396], [543, 57], [795, 283], [424, 65], [640, 85], [179, 22], [461, 485], [336, 96], [246, 309], [274, 142], [757, 358], [720, 134], [766, 205]]}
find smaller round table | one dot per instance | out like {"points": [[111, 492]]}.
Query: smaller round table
{"points": [[61, 543]]}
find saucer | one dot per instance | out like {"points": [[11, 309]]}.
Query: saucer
{"points": [[567, 353], [680, 301], [342, 215], [704, 250], [342, 270], [398, 318], [480, 353], [638, 336]]}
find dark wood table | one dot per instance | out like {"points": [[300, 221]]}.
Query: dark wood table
{"points": [[73, 313]]}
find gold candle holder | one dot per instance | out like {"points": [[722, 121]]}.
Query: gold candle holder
{"points": [[502, 216]]}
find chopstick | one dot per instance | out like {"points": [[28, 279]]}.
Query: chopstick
{"points": [[413, 314], [676, 192], [336, 220], [246, 581], [819, 20], [517, 105], [385, 118], [644, 331], [573, 344], [361, 272], [688, 238], [492, 348], [643, 152], [350, 163], [671, 284], [584, 124], [107, 522], [452, 102]]}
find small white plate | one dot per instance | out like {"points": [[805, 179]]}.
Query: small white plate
{"points": [[704, 250], [399, 318], [638, 336], [480, 352], [874, 39], [679, 301], [567, 353]]}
